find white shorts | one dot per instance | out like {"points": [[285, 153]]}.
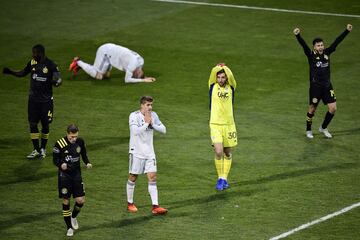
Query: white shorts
{"points": [[102, 61], [141, 165]]}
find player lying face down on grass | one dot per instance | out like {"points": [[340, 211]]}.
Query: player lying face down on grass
{"points": [[111, 55]]}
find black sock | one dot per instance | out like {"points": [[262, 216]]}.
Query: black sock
{"points": [[35, 140], [44, 139], [327, 120], [67, 214], [77, 208], [309, 121]]}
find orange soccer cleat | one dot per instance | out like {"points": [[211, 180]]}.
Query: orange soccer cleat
{"points": [[132, 208], [74, 66], [157, 210]]}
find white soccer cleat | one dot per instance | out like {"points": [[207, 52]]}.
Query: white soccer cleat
{"points": [[74, 223], [309, 134], [42, 153], [325, 132], [70, 232], [33, 154]]}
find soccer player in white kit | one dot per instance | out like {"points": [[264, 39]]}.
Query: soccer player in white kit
{"points": [[111, 55], [142, 157]]}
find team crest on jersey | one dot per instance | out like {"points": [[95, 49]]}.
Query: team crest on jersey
{"points": [[314, 100], [326, 57], [33, 62], [45, 70], [78, 149], [66, 151], [64, 191]]}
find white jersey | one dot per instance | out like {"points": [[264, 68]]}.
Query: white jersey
{"points": [[141, 134], [121, 58]]}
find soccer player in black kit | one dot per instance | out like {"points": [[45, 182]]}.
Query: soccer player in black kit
{"points": [[66, 156], [320, 85], [43, 75]]}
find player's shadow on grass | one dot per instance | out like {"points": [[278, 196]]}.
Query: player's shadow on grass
{"points": [[106, 142], [297, 173], [124, 222], [4, 224], [27, 172], [351, 131]]}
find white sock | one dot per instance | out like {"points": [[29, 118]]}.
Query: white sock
{"points": [[153, 193], [130, 187], [89, 69]]}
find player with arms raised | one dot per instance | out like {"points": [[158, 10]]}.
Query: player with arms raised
{"points": [[222, 86]]}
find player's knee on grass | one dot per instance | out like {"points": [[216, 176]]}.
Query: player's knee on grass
{"points": [[99, 76]]}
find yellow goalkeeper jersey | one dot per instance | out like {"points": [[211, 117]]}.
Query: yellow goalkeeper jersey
{"points": [[221, 98]]}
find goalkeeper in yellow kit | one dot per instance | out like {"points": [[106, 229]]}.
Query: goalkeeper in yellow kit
{"points": [[222, 86]]}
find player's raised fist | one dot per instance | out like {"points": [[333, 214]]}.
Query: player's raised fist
{"points": [[296, 31], [349, 27]]}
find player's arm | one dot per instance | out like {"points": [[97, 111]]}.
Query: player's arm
{"points": [[57, 159], [83, 154], [302, 42], [56, 80], [129, 78], [339, 39], [21, 73], [230, 77], [157, 124], [134, 128]]}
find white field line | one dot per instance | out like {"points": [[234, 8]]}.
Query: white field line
{"points": [[259, 8], [306, 225]]}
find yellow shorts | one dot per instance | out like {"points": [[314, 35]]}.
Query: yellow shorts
{"points": [[225, 134]]}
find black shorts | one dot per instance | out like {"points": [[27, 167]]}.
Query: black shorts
{"points": [[317, 93], [70, 185], [40, 111]]}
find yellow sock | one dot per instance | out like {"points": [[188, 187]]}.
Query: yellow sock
{"points": [[219, 167], [227, 166]]}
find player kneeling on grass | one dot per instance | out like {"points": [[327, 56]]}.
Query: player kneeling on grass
{"points": [[66, 156], [142, 157], [111, 55], [222, 86]]}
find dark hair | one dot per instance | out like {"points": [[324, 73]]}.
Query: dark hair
{"points": [[317, 40], [39, 48], [72, 128], [221, 71], [144, 99]]}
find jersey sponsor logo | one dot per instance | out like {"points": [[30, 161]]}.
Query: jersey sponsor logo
{"points": [[321, 64], [39, 79], [223, 95], [314, 100], [45, 70]]}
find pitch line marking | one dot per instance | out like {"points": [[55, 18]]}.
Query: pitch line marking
{"points": [[306, 225], [259, 8]]}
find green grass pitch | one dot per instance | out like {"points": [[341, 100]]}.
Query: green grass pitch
{"points": [[279, 179]]}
